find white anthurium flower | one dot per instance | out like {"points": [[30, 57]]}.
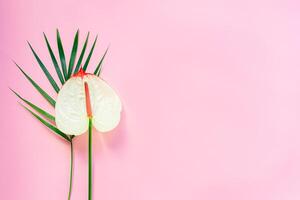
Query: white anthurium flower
{"points": [[86, 96]]}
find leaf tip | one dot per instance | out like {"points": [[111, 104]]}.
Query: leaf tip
{"points": [[57, 34], [12, 90], [14, 61]]}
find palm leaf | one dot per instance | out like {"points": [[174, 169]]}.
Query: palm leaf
{"points": [[73, 54], [55, 63], [39, 89], [47, 124], [90, 55], [36, 108], [46, 72], [61, 55], [82, 53], [99, 66]]}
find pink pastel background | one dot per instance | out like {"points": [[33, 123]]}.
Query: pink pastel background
{"points": [[211, 96]]}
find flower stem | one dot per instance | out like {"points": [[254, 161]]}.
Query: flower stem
{"points": [[71, 169], [90, 159]]}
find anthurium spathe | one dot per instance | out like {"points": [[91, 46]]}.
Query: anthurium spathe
{"points": [[86, 96]]}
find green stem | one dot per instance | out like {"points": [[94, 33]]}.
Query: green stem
{"points": [[90, 159], [71, 170]]}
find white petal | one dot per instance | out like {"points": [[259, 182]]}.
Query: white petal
{"points": [[70, 108], [105, 103]]}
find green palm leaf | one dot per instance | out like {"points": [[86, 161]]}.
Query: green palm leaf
{"points": [[39, 89], [55, 63], [46, 72], [73, 54], [47, 124], [90, 55], [36, 108], [82, 53], [99, 66], [61, 55]]}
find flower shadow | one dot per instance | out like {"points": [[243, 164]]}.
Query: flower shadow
{"points": [[113, 140]]}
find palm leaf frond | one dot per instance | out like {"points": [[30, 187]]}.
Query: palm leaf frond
{"points": [[99, 66], [54, 60], [73, 54], [61, 55], [90, 55], [47, 124], [36, 108], [37, 87], [45, 70], [82, 53]]}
